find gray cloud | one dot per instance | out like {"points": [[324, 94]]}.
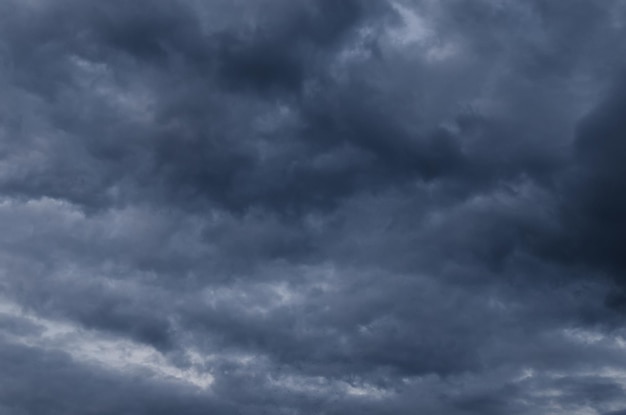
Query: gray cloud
{"points": [[305, 207]]}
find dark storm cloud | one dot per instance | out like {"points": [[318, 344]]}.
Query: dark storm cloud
{"points": [[597, 203], [302, 207]]}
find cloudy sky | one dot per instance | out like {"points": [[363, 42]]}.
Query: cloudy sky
{"points": [[312, 207]]}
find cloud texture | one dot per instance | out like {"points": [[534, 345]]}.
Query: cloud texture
{"points": [[312, 207]]}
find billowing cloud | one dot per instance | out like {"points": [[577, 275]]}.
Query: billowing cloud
{"points": [[312, 207]]}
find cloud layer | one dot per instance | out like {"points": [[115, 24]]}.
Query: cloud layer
{"points": [[312, 207]]}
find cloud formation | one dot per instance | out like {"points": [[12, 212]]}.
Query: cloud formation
{"points": [[312, 207]]}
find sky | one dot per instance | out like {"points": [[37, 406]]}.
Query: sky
{"points": [[295, 207]]}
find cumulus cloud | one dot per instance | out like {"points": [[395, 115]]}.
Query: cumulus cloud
{"points": [[312, 207]]}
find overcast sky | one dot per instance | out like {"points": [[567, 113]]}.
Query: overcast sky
{"points": [[292, 207]]}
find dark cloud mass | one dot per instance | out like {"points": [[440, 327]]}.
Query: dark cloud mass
{"points": [[312, 207]]}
